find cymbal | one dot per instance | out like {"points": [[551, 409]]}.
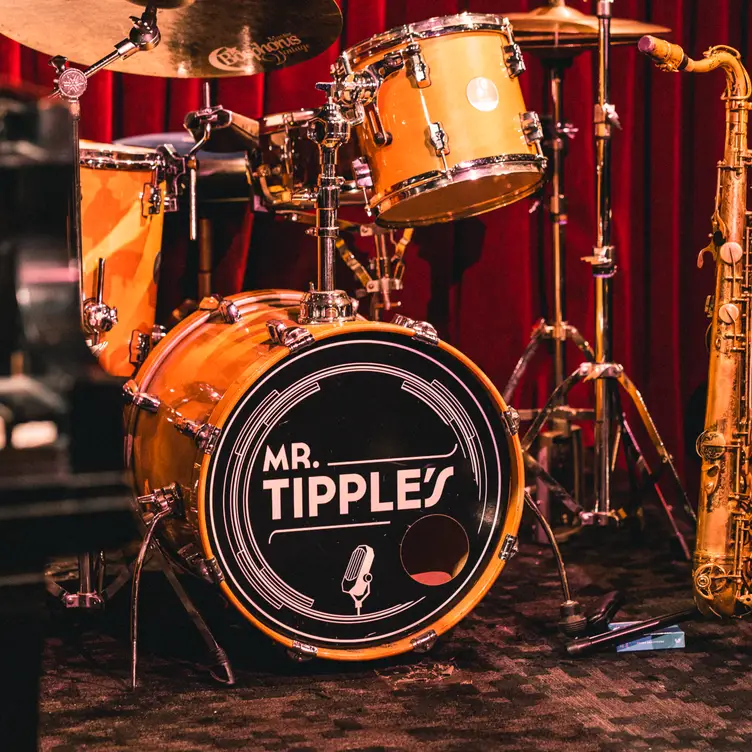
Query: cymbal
{"points": [[200, 38], [556, 25]]}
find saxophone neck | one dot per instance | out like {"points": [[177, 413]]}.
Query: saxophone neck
{"points": [[671, 57]]}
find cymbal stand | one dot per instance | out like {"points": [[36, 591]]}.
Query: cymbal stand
{"points": [[558, 330], [96, 315], [71, 85], [610, 427]]}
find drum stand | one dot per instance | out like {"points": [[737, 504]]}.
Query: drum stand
{"points": [[611, 427]]}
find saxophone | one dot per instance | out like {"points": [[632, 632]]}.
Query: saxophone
{"points": [[722, 565]]}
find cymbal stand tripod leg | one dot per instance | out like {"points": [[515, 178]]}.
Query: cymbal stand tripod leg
{"points": [[614, 373]]}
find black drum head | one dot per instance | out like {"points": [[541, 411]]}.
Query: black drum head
{"points": [[358, 491]]}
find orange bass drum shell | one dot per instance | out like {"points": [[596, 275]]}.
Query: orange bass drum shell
{"points": [[325, 542]]}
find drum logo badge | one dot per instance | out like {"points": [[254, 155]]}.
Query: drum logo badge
{"points": [[275, 51], [347, 494]]}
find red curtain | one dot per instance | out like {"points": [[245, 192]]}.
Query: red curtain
{"points": [[483, 282]]}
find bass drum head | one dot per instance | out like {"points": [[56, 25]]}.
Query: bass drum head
{"points": [[360, 493]]}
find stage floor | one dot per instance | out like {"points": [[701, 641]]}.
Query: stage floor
{"points": [[501, 680]]}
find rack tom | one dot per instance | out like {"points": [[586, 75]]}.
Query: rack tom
{"points": [[286, 164], [122, 213], [448, 134]]}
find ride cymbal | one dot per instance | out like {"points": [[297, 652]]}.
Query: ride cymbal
{"points": [[200, 38], [557, 26]]}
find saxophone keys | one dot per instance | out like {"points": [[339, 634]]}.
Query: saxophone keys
{"points": [[711, 445], [728, 313], [731, 252]]}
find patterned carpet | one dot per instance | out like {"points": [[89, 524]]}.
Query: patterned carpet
{"points": [[501, 680]]}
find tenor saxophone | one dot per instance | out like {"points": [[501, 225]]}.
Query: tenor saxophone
{"points": [[722, 564]]}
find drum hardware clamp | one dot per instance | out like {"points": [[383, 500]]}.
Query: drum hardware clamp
{"points": [[423, 643], [294, 338], [142, 343], [205, 435], [226, 309], [98, 317], [141, 400], [424, 331]]}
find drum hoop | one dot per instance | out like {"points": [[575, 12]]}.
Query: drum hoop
{"points": [[277, 122], [469, 170], [432, 27], [509, 526], [104, 159]]}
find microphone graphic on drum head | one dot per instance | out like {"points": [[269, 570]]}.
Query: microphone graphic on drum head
{"points": [[357, 579]]}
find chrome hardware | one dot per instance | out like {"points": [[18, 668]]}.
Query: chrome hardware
{"points": [[531, 127], [512, 419], [368, 110], [214, 571], [294, 338], [226, 309], [82, 600], [512, 53], [508, 548], [325, 307], [424, 331], [362, 172], [416, 66], [166, 499], [142, 344], [604, 117], [438, 138], [141, 400], [205, 435], [195, 560], [173, 169], [98, 316], [300, 652], [151, 199], [423, 643]]}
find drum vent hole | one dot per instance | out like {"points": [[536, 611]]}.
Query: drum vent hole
{"points": [[434, 549]]}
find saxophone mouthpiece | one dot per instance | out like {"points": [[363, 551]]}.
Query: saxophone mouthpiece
{"points": [[647, 44], [668, 56]]}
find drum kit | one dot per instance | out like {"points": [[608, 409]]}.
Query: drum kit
{"points": [[239, 421]]}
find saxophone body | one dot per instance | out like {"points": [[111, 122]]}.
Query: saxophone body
{"points": [[722, 565]]}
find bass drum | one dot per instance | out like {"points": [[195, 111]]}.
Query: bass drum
{"points": [[354, 492]]}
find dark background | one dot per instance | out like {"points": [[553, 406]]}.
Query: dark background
{"points": [[482, 282]]}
